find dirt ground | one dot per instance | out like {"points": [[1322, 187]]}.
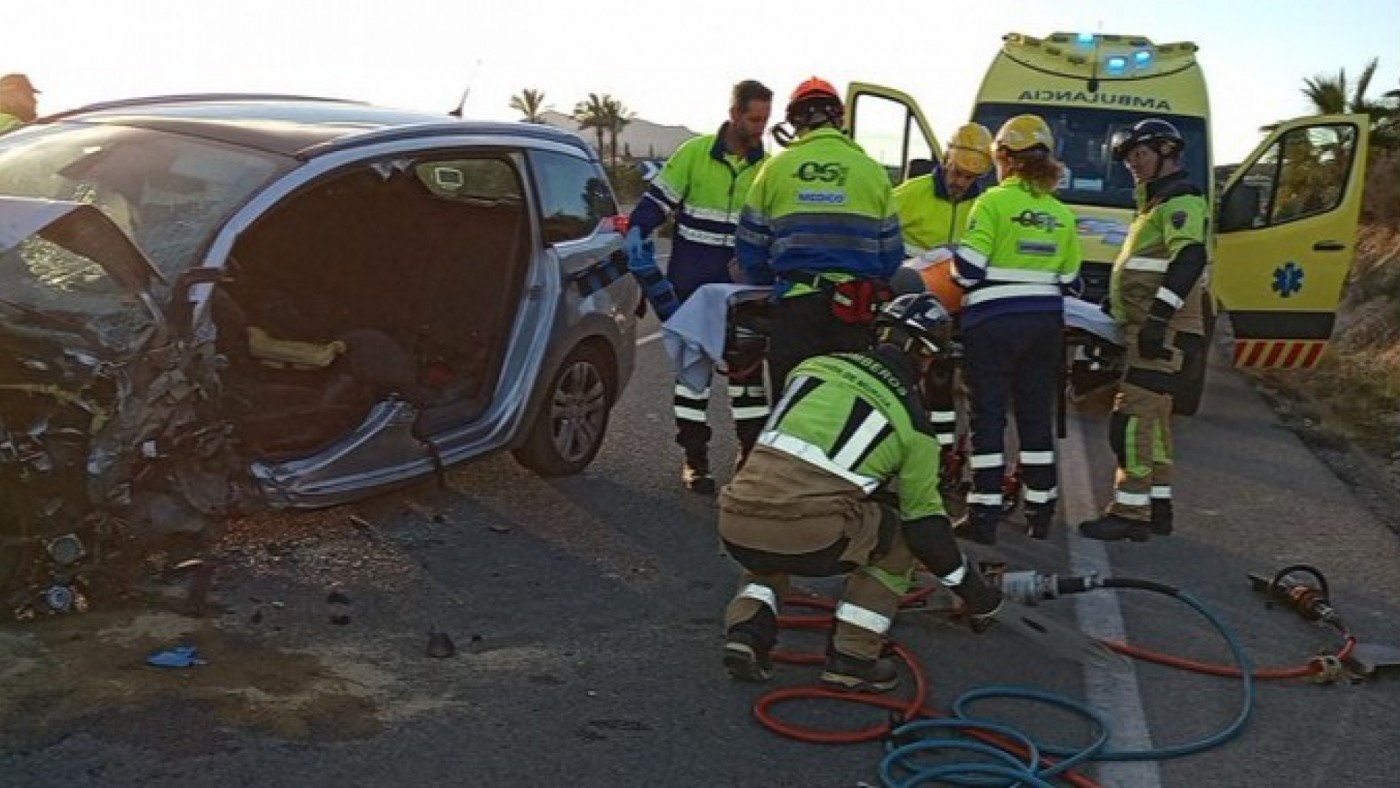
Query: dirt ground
{"points": [[285, 669]]}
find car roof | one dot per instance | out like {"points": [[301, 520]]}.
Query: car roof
{"points": [[300, 126]]}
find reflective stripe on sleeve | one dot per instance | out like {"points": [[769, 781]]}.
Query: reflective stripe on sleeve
{"points": [[702, 237], [956, 576], [1154, 265], [1169, 298], [1037, 458]]}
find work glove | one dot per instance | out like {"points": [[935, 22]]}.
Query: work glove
{"points": [[632, 245], [982, 600], [1152, 340]]}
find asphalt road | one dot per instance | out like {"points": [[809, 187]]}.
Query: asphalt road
{"points": [[586, 618]]}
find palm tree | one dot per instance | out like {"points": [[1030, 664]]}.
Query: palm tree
{"points": [[618, 117], [1329, 96], [593, 114], [530, 103]]}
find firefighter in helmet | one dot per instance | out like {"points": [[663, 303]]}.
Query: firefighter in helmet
{"points": [[820, 226], [815, 500], [1155, 294]]}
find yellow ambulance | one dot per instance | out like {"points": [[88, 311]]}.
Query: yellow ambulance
{"points": [[1284, 231]]}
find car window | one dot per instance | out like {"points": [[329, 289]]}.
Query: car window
{"points": [[170, 193], [574, 195]]}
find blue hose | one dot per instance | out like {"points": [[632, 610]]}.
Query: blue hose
{"points": [[902, 768]]}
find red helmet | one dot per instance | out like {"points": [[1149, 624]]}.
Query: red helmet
{"points": [[812, 88], [815, 103]]}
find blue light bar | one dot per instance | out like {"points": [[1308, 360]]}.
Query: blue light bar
{"points": [[1085, 38], [1142, 58], [1117, 64]]}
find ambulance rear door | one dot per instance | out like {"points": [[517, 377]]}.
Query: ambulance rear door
{"points": [[1285, 238], [890, 127]]}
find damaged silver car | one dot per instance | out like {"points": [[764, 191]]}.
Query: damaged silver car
{"points": [[211, 304]]}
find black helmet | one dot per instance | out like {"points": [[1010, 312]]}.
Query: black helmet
{"points": [[916, 322], [1145, 132], [745, 338]]}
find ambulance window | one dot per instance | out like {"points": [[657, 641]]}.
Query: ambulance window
{"points": [[1082, 135], [1313, 175], [1303, 174], [890, 134]]}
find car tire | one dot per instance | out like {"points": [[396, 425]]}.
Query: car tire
{"points": [[572, 421]]}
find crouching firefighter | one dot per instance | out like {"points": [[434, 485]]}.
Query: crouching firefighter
{"points": [[1155, 294], [814, 501]]}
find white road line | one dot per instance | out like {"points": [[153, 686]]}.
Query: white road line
{"points": [[1114, 694]]}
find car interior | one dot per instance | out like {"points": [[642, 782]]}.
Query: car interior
{"points": [[398, 279]]}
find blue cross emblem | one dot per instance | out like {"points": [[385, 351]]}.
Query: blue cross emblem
{"points": [[1288, 279]]}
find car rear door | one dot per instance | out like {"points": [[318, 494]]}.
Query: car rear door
{"points": [[1286, 238]]}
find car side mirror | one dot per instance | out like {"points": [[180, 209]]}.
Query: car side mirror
{"points": [[1239, 208]]}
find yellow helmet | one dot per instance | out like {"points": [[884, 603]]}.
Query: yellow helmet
{"points": [[1024, 132], [970, 149]]}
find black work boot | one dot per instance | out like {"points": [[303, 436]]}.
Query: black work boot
{"points": [[745, 657], [1161, 516], [747, 646], [979, 524], [1038, 519], [695, 474], [859, 675], [1113, 528]]}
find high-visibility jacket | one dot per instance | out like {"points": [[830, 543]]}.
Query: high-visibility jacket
{"points": [[928, 214], [821, 207], [858, 418], [1020, 249], [1163, 256], [704, 186], [8, 122]]}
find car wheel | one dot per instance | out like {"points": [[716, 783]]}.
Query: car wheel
{"points": [[573, 419]]}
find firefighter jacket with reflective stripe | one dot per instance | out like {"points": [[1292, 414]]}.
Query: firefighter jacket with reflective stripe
{"points": [[821, 207], [856, 417], [1020, 249], [928, 215], [704, 186], [1171, 217]]}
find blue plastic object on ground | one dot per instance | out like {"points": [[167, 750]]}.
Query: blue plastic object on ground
{"points": [[179, 657]]}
